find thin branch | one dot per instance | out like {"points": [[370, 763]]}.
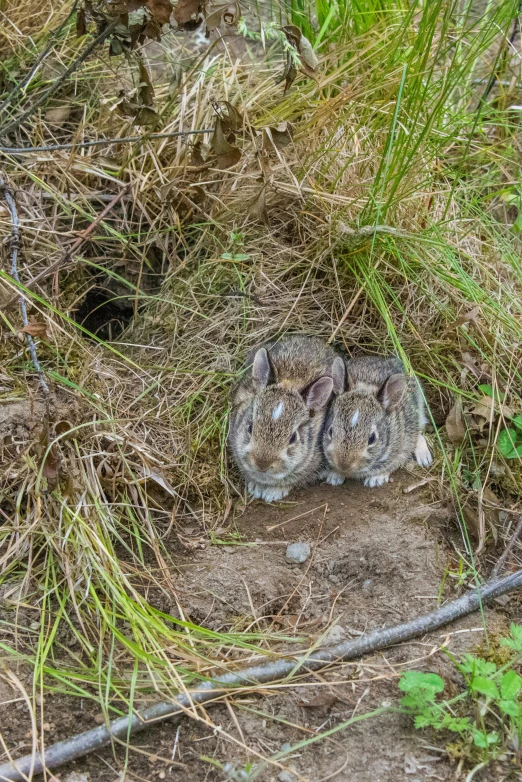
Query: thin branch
{"points": [[67, 256], [15, 247], [102, 141], [213, 689], [15, 123], [41, 57]]}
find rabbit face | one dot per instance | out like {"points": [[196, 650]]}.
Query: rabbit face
{"points": [[355, 435]]}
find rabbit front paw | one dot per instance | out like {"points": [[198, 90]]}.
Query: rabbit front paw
{"points": [[422, 452], [333, 478], [376, 480], [266, 493]]}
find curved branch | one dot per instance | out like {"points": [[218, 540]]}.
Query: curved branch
{"points": [[91, 740]]}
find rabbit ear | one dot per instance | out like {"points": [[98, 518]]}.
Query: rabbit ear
{"points": [[261, 369], [319, 392], [392, 392], [338, 375]]}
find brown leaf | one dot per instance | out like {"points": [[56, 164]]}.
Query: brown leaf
{"points": [[233, 118], [59, 115], [282, 134], [257, 207], [466, 318], [160, 10], [227, 154], [81, 23], [146, 116], [470, 363], [187, 13], [455, 424], [308, 56], [289, 74], [323, 701], [484, 410], [145, 89], [36, 330], [135, 5], [152, 30], [232, 14], [214, 19], [51, 466]]}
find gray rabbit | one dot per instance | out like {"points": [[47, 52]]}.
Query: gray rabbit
{"points": [[278, 412], [375, 422]]}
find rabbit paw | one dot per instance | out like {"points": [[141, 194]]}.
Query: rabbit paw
{"points": [[266, 493], [422, 452], [376, 480], [333, 478]]}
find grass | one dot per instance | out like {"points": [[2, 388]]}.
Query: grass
{"points": [[393, 137]]}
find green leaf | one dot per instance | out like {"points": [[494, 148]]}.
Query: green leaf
{"points": [[415, 680], [517, 421], [507, 441], [510, 707], [485, 687], [510, 685], [515, 642], [487, 389], [484, 740], [476, 666]]}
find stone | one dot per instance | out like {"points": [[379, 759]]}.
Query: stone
{"points": [[297, 553]]}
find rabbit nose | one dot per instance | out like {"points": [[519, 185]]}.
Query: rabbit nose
{"points": [[262, 464]]}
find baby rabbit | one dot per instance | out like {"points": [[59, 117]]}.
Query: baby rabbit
{"points": [[375, 422], [278, 412]]}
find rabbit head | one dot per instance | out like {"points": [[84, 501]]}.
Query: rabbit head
{"points": [[360, 427]]}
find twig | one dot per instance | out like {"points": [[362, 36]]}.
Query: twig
{"points": [[41, 57], [15, 123], [15, 247], [497, 570], [102, 141], [67, 256], [212, 689]]}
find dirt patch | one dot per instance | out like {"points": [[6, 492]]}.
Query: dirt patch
{"points": [[377, 558]]}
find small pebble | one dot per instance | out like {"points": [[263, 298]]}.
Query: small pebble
{"points": [[286, 747], [286, 776], [297, 553], [367, 587]]}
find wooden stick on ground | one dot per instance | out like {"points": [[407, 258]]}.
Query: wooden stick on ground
{"points": [[213, 689]]}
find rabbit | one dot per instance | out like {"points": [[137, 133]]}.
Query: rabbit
{"points": [[375, 422], [277, 415]]}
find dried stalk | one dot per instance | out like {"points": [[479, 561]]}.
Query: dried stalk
{"points": [[211, 690]]}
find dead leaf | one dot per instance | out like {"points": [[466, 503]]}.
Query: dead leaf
{"points": [[160, 10], [455, 424], [484, 411], [472, 521], [470, 363], [466, 318], [81, 23], [36, 330], [188, 13], [51, 467], [227, 153], [323, 701], [257, 207], [281, 135], [145, 88], [214, 19], [146, 116], [307, 57], [59, 115], [232, 14], [233, 118]]}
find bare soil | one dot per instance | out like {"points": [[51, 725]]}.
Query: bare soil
{"points": [[378, 557]]}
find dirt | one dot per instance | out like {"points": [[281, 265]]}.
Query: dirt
{"points": [[378, 556]]}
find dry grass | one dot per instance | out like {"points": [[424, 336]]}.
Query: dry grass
{"points": [[138, 424]]}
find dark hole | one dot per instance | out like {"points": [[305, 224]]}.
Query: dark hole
{"points": [[103, 315]]}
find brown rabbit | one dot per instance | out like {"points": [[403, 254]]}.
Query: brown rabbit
{"points": [[277, 415], [375, 422]]}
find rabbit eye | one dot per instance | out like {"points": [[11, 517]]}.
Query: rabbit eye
{"points": [[249, 428], [293, 438], [372, 438]]}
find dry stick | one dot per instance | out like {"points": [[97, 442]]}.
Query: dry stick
{"points": [[67, 256], [102, 141], [15, 246], [15, 123], [83, 743]]}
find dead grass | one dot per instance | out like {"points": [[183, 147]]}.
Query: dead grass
{"points": [[213, 262]]}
